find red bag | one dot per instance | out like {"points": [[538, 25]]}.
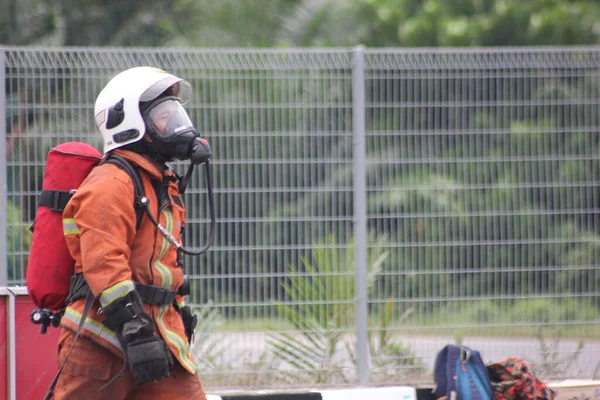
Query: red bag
{"points": [[50, 265], [513, 379]]}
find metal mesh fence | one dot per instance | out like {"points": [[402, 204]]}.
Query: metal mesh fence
{"points": [[483, 179], [481, 206]]}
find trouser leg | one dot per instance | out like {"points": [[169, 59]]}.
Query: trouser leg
{"points": [[88, 368], [179, 385]]}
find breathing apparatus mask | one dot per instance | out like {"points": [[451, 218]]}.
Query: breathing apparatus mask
{"points": [[172, 132]]}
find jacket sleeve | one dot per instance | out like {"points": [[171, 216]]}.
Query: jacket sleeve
{"points": [[104, 218]]}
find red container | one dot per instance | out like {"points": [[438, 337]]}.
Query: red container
{"points": [[36, 354]]}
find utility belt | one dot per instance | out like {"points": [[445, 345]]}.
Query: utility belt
{"points": [[151, 295]]}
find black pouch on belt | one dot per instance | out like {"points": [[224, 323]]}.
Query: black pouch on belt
{"points": [[189, 321]]}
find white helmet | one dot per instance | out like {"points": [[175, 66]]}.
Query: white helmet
{"points": [[117, 109]]}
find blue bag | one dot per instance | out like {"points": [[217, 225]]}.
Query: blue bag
{"points": [[460, 374]]}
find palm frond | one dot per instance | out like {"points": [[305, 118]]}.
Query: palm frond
{"points": [[323, 308]]}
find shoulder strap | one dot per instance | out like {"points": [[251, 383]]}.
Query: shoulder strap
{"points": [[183, 181], [140, 200], [55, 200]]}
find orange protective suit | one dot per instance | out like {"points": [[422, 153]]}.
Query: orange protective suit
{"points": [[89, 367], [100, 230]]}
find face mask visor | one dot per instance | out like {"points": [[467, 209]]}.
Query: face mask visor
{"points": [[168, 119]]}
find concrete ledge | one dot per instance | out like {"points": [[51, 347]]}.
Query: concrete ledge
{"points": [[270, 396], [275, 396], [386, 393]]}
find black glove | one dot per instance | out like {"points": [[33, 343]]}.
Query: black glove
{"points": [[189, 321], [148, 355], [149, 358]]}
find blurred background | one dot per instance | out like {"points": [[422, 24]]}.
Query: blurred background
{"points": [[299, 23], [439, 184]]}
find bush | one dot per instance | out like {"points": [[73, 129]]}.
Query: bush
{"points": [[18, 241], [552, 310]]}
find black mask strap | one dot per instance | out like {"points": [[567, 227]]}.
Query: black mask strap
{"points": [[143, 147], [183, 182], [140, 147]]}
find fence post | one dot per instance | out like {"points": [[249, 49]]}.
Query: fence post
{"points": [[360, 213], [3, 176]]}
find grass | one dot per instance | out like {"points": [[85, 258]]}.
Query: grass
{"points": [[583, 330], [254, 325], [586, 330], [574, 319]]}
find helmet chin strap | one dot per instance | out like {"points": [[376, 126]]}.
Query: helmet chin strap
{"points": [[157, 156], [146, 148], [150, 149]]}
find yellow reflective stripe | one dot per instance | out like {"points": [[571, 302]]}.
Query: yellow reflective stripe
{"points": [[181, 304], [92, 326], [115, 292], [70, 227], [173, 338], [181, 344], [163, 271]]}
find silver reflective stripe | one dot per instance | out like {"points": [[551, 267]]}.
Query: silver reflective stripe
{"points": [[93, 327], [115, 292], [173, 338], [166, 277], [70, 227]]}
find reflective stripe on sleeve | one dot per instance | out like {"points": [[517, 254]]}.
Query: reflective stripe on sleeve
{"points": [[115, 292], [73, 317], [70, 227]]}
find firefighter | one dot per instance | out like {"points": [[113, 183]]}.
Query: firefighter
{"points": [[135, 341]]}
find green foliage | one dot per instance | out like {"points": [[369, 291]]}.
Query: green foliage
{"points": [[409, 23], [554, 361], [208, 347], [293, 23], [19, 239], [560, 309], [322, 313], [29, 22], [225, 23], [533, 310], [212, 347], [390, 359]]}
